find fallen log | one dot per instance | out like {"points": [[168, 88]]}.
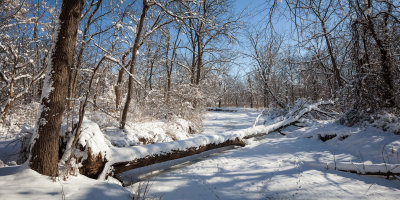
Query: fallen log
{"points": [[144, 173], [360, 168], [291, 118], [120, 167], [221, 110], [127, 158]]}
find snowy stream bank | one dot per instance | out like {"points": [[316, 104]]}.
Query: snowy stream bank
{"points": [[268, 167], [278, 167]]}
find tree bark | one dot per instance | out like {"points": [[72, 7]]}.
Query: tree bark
{"points": [[199, 51], [117, 88], [265, 94], [332, 57], [135, 49], [44, 153]]}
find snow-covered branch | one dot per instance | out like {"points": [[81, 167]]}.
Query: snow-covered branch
{"points": [[359, 168], [118, 62]]}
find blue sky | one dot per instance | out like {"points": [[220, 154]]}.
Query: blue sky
{"points": [[257, 12]]}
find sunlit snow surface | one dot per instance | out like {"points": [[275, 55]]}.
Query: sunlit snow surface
{"points": [[18, 183], [272, 167]]}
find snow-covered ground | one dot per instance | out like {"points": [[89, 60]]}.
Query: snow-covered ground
{"points": [[18, 183], [272, 167], [220, 122], [278, 167]]}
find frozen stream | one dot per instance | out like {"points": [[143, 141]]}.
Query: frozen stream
{"points": [[269, 168]]}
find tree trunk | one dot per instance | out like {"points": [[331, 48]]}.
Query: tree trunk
{"points": [[135, 49], [193, 50], [117, 88], [44, 154], [167, 67], [74, 74], [265, 93], [193, 67], [199, 59], [332, 57]]}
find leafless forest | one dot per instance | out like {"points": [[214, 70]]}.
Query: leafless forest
{"points": [[133, 61]]}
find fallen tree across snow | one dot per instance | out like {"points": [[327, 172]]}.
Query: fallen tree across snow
{"points": [[221, 109], [127, 158], [174, 154], [289, 119]]}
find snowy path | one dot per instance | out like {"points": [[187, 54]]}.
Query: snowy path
{"points": [[219, 122], [269, 168]]}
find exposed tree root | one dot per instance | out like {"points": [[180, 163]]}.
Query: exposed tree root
{"points": [[93, 165]]}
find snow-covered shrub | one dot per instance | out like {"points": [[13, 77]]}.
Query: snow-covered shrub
{"points": [[185, 101], [385, 121], [138, 133], [102, 119], [149, 132], [16, 145], [21, 116], [179, 129]]}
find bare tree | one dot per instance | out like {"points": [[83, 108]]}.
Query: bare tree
{"points": [[265, 52], [135, 49]]}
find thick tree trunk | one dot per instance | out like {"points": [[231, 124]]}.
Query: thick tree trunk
{"points": [[135, 49], [44, 153]]}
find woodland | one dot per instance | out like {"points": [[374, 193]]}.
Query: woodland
{"points": [[86, 84]]}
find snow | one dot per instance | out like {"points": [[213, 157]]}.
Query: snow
{"points": [[269, 167], [131, 153], [18, 183], [278, 167], [361, 168], [92, 137], [220, 122], [386, 121], [148, 132]]}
